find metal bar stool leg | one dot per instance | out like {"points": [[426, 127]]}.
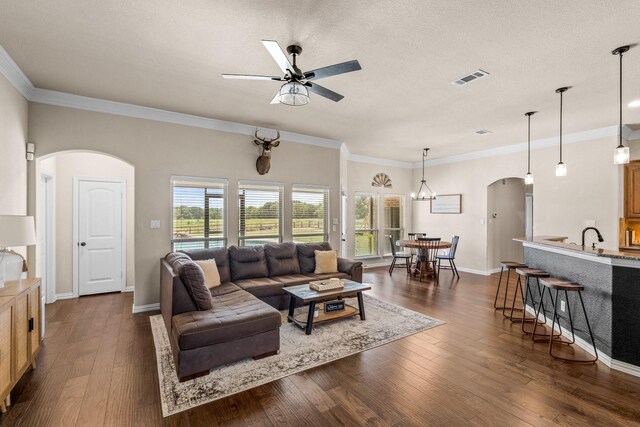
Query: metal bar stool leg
{"points": [[495, 301]]}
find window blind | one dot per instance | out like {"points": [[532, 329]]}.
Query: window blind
{"points": [[310, 213], [199, 212], [260, 213]]}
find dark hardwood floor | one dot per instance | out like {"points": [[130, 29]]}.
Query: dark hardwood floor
{"points": [[97, 367]]}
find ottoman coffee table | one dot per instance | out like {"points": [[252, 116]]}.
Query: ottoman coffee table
{"points": [[307, 296]]}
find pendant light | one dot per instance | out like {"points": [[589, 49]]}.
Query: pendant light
{"points": [[421, 195], [561, 168], [528, 178], [621, 155]]}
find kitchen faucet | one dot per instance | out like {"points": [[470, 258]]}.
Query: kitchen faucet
{"points": [[600, 239]]}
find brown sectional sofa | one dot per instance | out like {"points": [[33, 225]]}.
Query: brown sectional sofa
{"points": [[242, 319]]}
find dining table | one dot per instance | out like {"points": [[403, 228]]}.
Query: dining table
{"points": [[415, 244]]}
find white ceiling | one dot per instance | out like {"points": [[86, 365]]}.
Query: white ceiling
{"points": [[169, 54]]}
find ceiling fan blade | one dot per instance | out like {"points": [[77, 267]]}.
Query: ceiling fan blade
{"points": [[332, 70], [323, 91], [276, 99], [250, 77], [278, 55]]}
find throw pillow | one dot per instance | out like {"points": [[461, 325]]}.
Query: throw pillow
{"points": [[192, 277], [326, 262], [211, 274]]}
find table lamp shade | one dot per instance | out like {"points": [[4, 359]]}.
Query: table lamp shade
{"points": [[16, 230]]}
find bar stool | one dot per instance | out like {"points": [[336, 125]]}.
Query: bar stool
{"points": [[558, 285], [528, 273], [509, 265]]}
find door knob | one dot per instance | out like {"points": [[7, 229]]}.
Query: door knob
{"points": [[83, 244]]}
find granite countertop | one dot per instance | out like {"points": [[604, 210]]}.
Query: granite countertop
{"points": [[558, 242]]}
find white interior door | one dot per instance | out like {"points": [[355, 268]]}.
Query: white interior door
{"points": [[100, 236]]}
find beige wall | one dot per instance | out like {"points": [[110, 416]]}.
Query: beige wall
{"points": [[592, 190], [157, 151], [65, 167], [359, 177], [13, 137], [13, 164]]}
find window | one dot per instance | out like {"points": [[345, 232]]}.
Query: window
{"points": [[392, 220], [310, 213], [260, 208], [366, 229], [199, 213]]}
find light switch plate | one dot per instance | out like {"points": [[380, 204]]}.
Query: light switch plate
{"points": [[335, 221], [155, 223]]}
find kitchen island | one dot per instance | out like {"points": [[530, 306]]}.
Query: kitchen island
{"points": [[611, 296]]}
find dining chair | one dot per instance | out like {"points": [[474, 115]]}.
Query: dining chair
{"points": [[450, 256], [427, 255], [402, 256]]}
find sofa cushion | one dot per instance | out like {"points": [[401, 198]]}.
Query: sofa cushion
{"points": [[224, 288], [328, 276], [210, 270], [326, 262], [171, 257], [282, 258], [233, 315], [192, 277], [292, 279], [247, 262], [221, 255], [307, 255], [261, 286]]}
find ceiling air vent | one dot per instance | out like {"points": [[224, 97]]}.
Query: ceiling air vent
{"points": [[475, 75], [483, 132]]}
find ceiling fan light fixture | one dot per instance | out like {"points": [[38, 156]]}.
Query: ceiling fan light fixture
{"points": [[294, 94]]}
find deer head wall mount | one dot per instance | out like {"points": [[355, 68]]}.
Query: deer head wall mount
{"points": [[263, 164]]}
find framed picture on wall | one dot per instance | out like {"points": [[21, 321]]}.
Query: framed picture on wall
{"points": [[447, 204]]}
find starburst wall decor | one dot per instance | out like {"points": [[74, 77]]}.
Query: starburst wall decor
{"points": [[381, 180]]}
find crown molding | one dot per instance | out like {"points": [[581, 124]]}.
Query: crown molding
{"points": [[344, 151], [538, 144], [62, 99], [14, 74], [21, 82]]}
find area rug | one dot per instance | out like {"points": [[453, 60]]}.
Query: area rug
{"points": [[328, 342]]}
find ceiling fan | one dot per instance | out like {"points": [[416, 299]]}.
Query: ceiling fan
{"points": [[298, 84]]}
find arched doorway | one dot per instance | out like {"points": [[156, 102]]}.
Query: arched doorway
{"points": [[56, 207], [509, 208]]}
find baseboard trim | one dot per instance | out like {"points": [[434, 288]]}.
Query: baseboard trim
{"points": [[65, 295], [603, 357], [145, 307], [376, 264], [129, 289], [474, 271]]}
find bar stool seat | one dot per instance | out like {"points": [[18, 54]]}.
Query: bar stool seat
{"points": [[509, 265], [532, 272], [563, 285], [528, 273], [560, 285]]}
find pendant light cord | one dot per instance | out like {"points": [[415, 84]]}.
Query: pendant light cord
{"points": [[620, 128], [529, 145], [561, 126]]}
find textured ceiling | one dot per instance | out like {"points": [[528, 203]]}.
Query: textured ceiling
{"points": [[169, 54]]}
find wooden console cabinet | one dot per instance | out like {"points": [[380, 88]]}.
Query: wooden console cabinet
{"points": [[20, 314]]}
